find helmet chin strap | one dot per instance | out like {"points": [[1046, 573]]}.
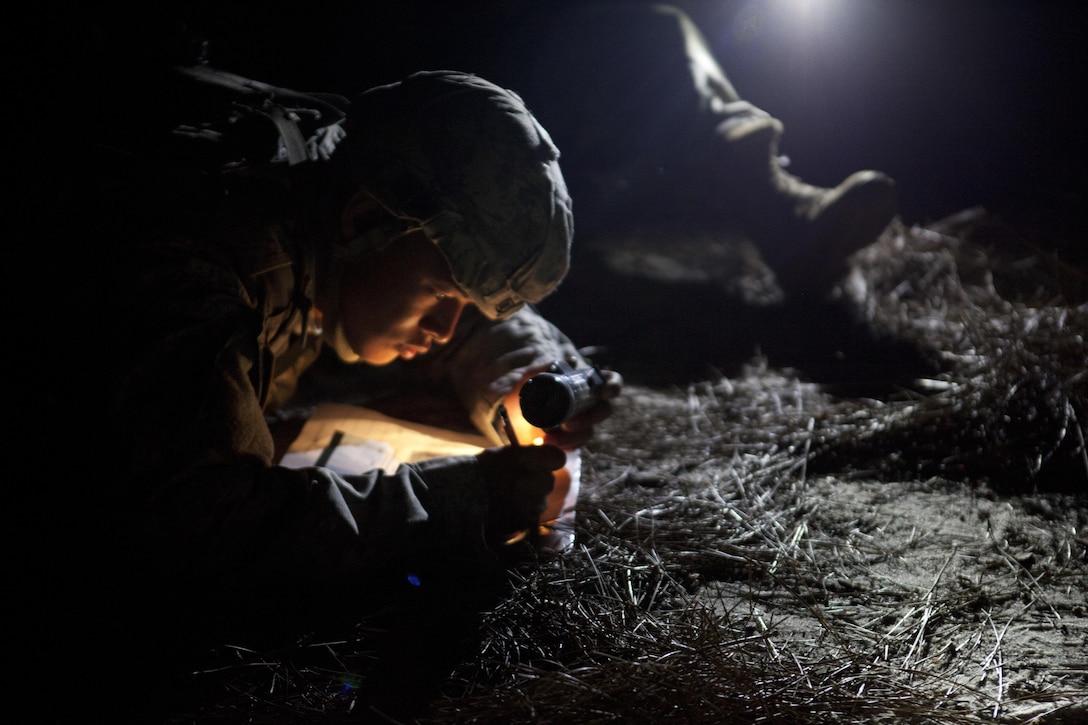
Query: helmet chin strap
{"points": [[334, 337], [332, 333]]}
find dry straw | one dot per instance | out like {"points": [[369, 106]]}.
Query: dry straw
{"points": [[752, 549]]}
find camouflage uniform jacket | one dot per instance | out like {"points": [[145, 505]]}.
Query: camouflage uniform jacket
{"points": [[210, 332]]}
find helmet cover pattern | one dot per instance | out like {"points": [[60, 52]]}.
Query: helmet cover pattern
{"points": [[465, 161]]}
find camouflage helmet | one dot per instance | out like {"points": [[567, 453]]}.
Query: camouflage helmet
{"points": [[465, 161]]}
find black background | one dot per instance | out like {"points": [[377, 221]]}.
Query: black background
{"points": [[964, 103]]}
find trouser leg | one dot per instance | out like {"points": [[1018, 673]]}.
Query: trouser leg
{"points": [[653, 132], [804, 232]]}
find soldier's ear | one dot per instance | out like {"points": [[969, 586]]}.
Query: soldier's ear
{"points": [[361, 211]]}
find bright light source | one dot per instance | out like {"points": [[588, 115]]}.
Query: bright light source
{"points": [[810, 15], [805, 7]]}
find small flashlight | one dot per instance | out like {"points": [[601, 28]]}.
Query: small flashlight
{"points": [[550, 399]]}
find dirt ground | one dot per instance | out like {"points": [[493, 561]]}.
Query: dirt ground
{"points": [[869, 508], [931, 534], [973, 603]]}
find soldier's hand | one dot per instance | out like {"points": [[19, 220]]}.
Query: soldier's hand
{"points": [[519, 479], [575, 432]]}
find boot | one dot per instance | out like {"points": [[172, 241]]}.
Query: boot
{"points": [[805, 233]]}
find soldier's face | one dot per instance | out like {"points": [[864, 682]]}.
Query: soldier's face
{"points": [[400, 301]]}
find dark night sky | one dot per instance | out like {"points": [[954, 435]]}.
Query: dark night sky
{"points": [[963, 102]]}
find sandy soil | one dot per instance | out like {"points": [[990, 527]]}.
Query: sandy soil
{"points": [[865, 508], [930, 556]]}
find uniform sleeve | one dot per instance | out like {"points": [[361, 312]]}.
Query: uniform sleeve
{"points": [[314, 527], [488, 359]]}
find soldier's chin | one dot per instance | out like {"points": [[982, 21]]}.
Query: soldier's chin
{"points": [[380, 356]]}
